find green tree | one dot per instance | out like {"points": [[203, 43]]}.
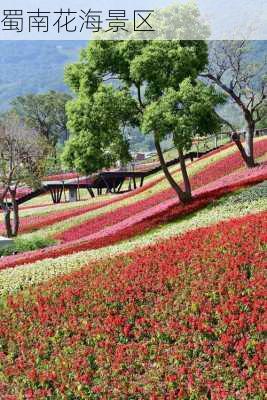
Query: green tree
{"points": [[155, 88], [186, 113], [45, 113], [263, 122], [149, 84], [97, 119]]}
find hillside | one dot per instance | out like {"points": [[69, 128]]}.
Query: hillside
{"points": [[137, 297], [37, 66], [34, 66]]}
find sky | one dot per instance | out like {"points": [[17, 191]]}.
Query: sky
{"points": [[226, 17]]}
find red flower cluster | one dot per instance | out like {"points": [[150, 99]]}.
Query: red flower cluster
{"points": [[183, 319], [170, 210], [142, 221]]}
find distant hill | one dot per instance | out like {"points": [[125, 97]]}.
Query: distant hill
{"points": [[37, 66], [34, 66]]}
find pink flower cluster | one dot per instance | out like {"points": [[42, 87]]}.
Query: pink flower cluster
{"points": [[21, 192]]}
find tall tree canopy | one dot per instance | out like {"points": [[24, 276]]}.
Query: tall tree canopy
{"points": [[153, 86], [150, 84], [98, 118]]}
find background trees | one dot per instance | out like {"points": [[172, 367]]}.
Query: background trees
{"points": [[23, 155], [245, 83], [45, 113]]}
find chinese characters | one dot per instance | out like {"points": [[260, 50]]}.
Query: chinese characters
{"points": [[69, 21]]}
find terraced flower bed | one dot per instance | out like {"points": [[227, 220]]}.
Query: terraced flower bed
{"points": [[155, 185], [142, 220], [183, 319], [209, 174], [247, 201], [169, 210]]}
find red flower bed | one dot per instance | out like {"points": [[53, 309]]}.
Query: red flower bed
{"points": [[142, 221], [180, 320], [211, 173], [29, 224]]}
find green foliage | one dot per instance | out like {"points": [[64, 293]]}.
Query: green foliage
{"points": [[187, 112], [31, 66], [96, 121], [44, 112], [149, 80], [263, 122], [21, 245]]}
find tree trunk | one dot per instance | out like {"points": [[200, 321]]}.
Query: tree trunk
{"points": [[7, 218], [7, 221], [15, 207], [187, 184], [183, 197], [236, 139], [249, 143], [246, 152]]}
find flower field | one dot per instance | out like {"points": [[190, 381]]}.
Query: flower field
{"points": [[209, 174], [247, 201], [128, 221], [183, 319], [134, 267], [80, 220], [171, 307], [141, 221]]}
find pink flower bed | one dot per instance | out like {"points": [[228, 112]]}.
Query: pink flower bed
{"points": [[61, 177], [147, 219], [170, 210], [213, 172], [20, 192]]}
